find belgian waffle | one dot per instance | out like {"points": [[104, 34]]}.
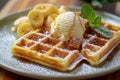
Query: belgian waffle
{"points": [[40, 47], [96, 48]]}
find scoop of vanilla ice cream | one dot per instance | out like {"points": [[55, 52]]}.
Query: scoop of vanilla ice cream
{"points": [[68, 25]]}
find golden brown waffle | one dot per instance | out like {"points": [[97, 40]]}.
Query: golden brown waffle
{"points": [[38, 46], [96, 48]]}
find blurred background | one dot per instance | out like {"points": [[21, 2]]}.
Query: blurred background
{"points": [[112, 6], [2, 3]]}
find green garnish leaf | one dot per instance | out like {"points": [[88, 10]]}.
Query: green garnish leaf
{"points": [[88, 13], [94, 21], [104, 31], [97, 21]]}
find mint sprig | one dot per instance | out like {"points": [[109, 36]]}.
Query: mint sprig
{"points": [[103, 31], [95, 21]]}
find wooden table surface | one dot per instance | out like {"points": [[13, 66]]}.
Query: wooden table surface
{"points": [[17, 5]]}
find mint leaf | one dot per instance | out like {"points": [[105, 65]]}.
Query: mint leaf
{"points": [[93, 25], [104, 31], [97, 21], [88, 13], [94, 21]]}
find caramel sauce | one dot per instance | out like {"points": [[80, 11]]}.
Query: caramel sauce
{"points": [[98, 42], [92, 48], [51, 41], [75, 44], [35, 37], [81, 24], [40, 48], [46, 32], [72, 44], [94, 38], [25, 44], [59, 54]]}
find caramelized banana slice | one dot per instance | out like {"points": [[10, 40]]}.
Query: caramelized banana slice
{"points": [[18, 22], [24, 28], [36, 18], [54, 9], [46, 9]]}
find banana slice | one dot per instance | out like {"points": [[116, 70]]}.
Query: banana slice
{"points": [[36, 18], [50, 19], [43, 8], [46, 9], [54, 9], [63, 9], [18, 22], [24, 28]]}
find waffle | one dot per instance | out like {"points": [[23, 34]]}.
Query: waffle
{"points": [[40, 47], [96, 48]]}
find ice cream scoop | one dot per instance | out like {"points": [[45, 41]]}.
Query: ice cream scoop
{"points": [[68, 25]]}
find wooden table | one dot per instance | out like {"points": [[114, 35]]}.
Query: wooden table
{"points": [[17, 5]]}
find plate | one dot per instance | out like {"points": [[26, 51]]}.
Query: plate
{"points": [[29, 69]]}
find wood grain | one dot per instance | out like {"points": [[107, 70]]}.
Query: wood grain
{"points": [[17, 5]]}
